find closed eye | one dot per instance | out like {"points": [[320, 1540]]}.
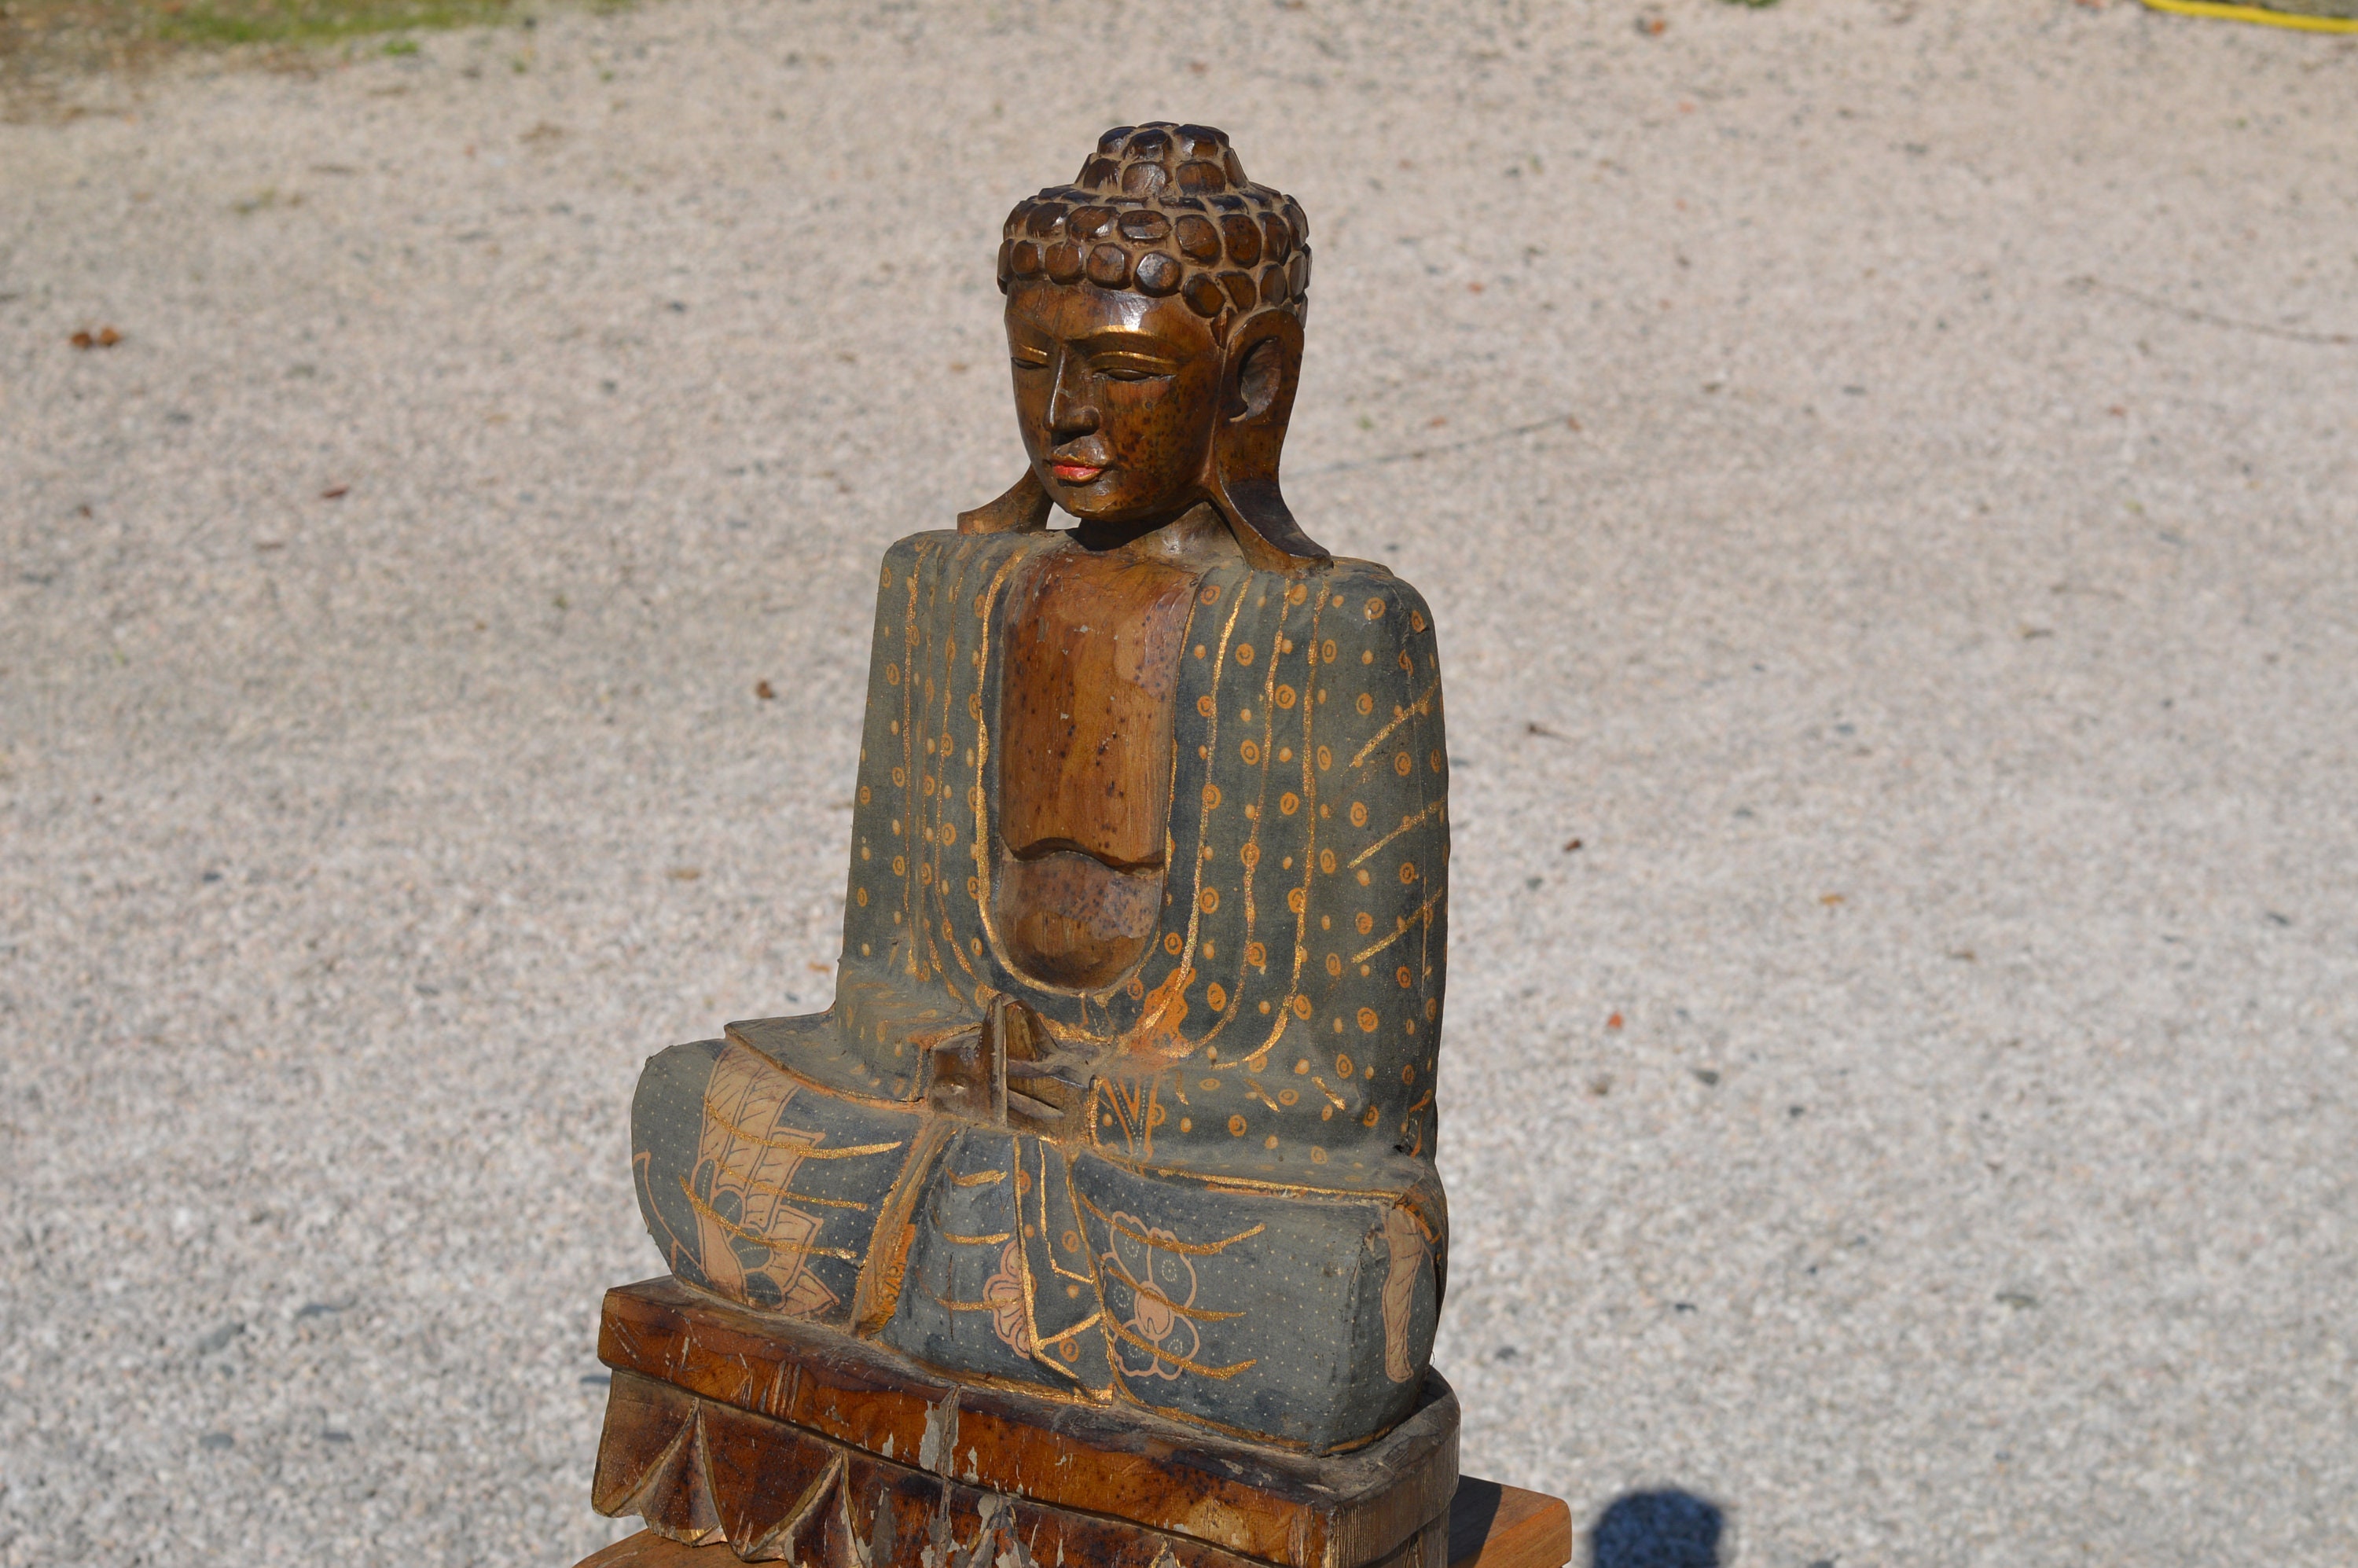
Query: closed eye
{"points": [[1132, 367]]}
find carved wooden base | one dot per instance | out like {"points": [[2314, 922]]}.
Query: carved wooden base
{"points": [[796, 1443], [1490, 1526]]}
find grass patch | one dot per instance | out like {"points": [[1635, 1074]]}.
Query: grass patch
{"points": [[45, 43], [220, 22]]}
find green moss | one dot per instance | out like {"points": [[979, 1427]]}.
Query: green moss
{"points": [[42, 40], [315, 21]]}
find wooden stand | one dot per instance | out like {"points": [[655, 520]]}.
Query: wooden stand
{"points": [[1490, 1526], [793, 1444]]}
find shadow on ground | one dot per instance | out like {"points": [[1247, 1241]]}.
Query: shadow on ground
{"points": [[1668, 1529]]}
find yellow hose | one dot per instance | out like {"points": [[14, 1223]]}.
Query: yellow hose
{"points": [[2253, 13]]}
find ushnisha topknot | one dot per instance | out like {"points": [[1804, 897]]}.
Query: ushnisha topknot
{"points": [[1164, 210]]}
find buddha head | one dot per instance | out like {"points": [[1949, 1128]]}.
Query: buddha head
{"points": [[1154, 311]]}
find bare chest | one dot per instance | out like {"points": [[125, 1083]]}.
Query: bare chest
{"points": [[1091, 665]]}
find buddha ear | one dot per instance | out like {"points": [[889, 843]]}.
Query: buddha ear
{"points": [[1257, 382], [1023, 510]]}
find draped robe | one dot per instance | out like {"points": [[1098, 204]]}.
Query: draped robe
{"points": [[1237, 1221]]}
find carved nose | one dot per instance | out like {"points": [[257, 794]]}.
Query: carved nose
{"points": [[1070, 413]]}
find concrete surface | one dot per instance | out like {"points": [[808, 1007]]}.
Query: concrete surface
{"points": [[1940, 627]]}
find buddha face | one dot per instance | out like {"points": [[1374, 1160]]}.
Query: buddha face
{"points": [[1118, 397]]}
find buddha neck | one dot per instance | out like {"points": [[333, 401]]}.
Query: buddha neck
{"points": [[1195, 540]]}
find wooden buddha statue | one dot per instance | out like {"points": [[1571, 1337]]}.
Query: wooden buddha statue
{"points": [[1125, 1097]]}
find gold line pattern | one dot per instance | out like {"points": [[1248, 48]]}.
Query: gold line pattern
{"points": [[1081, 1327], [796, 1145], [1204, 818], [985, 835], [1423, 917], [1416, 710], [1201, 1315], [1190, 1248], [852, 1151], [941, 799], [1385, 1194], [1407, 825], [1201, 1370], [706, 1209], [908, 814], [774, 1189], [1284, 1007]]}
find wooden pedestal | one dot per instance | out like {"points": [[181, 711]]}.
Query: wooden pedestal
{"points": [[1490, 1526], [793, 1444]]}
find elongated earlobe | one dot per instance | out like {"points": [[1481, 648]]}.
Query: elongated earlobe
{"points": [[1023, 510], [1264, 365]]}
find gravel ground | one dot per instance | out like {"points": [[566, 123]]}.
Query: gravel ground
{"points": [[1885, 475]]}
